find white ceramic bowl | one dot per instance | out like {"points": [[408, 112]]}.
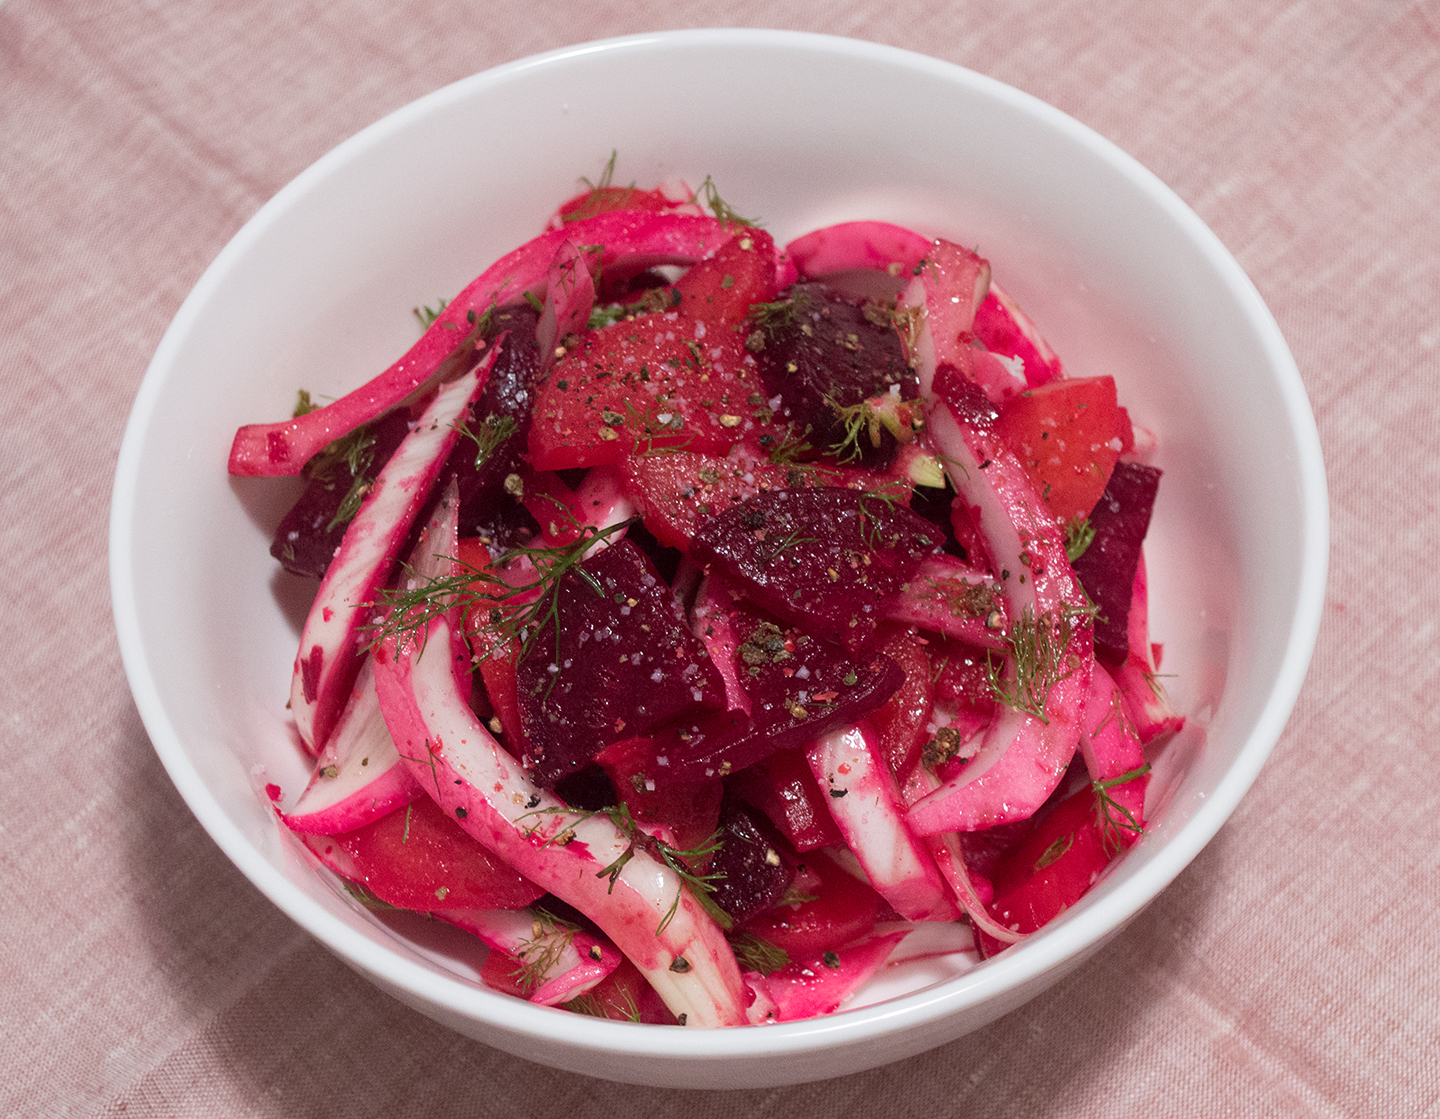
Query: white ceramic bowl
{"points": [[800, 130]]}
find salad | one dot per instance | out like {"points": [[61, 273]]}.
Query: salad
{"points": [[706, 625]]}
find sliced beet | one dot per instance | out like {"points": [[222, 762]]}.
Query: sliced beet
{"points": [[784, 788], [622, 663], [589, 789], [751, 877], [336, 480], [690, 809], [800, 688], [418, 858], [504, 405], [820, 350], [1107, 568], [823, 559]]}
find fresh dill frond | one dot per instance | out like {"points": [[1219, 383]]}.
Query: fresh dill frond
{"points": [[426, 314], [521, 613], [591, 1005], [779, 314], [1157, 689], [791, 449], [755, 953], [793, 540], [1055, 851], [1079, 535], [1037, 647], [364, 896], [719, 207], [549, 938], [1112, 816], [491, 432], [701, 886], [303, 404], [607, 173], [345, 461], [856, 420]]}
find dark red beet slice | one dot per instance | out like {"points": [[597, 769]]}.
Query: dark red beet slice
{"points": [[308, 535], [751, 875], [824, 559], [820, 350], [1107, 568], [623, 662], [418, 858], [784, 788], [501, 420], [800, 689]]}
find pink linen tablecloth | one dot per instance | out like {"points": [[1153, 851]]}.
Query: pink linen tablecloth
{"points": [[1293, 969]]}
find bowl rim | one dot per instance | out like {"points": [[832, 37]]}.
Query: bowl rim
{"points": [[1047, 949]]}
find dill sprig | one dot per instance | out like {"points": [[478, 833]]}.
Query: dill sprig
{"points": [[857, 420], [793, 540], [791, 449], [1157, 689], [607, 173], [778, 314], [1079, 535], [549, 938], [488, 435], [364, 896], [1037, 646], [596, 202], [890, 494], [755, 953], [521, 613], [700, 885], [589, 1004], [344, 461], [426, 314], [719, 207], [1112, 816]]}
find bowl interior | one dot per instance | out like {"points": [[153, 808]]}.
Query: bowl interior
{"points": [[799, 131]]}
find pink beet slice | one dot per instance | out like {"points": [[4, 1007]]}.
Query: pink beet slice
{"points": [[416, 858], [638, 239], [720, 289], [619, 661], [1107, 568], [827, 560]]}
